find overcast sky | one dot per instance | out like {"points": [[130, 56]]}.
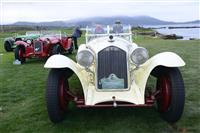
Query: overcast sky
{"points": [[50, 10]]}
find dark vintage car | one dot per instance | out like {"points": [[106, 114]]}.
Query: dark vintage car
{"points": [[9, 43], [50, 43]]}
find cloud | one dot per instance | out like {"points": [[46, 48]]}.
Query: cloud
{"points": [[51, 10]]}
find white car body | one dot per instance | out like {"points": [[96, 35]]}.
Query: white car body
{"points": [[136, 76]]}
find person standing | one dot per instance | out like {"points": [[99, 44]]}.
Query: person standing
{"points": [[75, 35], [118, 28], [99, 30]]}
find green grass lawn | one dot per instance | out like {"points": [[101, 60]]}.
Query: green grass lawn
{"points": [[23, 109]]}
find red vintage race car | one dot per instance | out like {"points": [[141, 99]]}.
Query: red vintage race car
{"points": [[50, 43]]}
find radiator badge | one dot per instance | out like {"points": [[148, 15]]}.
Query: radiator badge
{"points": [[112, 82]]}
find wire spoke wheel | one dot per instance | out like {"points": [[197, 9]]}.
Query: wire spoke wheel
{"points": [[19, 53], [56, 94], [171, 96], [163, 84], [63, 94], [56, 49]]}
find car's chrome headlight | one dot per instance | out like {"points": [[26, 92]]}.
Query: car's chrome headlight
{"points": [[139, 56], [28, 41], [85, 58]]}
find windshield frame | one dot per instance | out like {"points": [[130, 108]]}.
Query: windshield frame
{"points": [[89, 33], [51, 33], [32, 33]]}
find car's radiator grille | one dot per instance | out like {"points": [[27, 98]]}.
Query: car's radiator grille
{"points": [[112, 61], [38, 47]]}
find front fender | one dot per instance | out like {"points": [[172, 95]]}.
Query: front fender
{"points": [[10, 40], [167, 59], [61, 61], [21, 43], [55, 41]]}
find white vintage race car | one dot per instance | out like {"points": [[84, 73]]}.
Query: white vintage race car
{"points": [[113, 72]]}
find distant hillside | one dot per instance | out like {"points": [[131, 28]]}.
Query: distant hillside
{"points": [[138, 20], [53, 23], [135, 21], [192, 22]]}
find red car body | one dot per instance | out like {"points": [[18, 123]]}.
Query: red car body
{"points": [[42, 47]]}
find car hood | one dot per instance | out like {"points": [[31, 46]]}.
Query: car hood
{"points": [[52, 38], [100, 43]]}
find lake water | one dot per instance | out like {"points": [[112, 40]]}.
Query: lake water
{"points": [[187, 33]]}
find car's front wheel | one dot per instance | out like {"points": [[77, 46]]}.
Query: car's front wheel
{"points": [[57, 49], [171, 97], [56, 94], [19, 53]]}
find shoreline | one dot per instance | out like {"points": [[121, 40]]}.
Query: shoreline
{"points": [[175, 27], [152, 31]]}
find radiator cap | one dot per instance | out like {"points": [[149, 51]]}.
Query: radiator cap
{"points": [[111, 38]]}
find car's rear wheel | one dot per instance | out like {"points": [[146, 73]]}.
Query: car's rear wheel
{"points": [[7, 46], [57, 49], [19, 53], [56, 94], [71, 49], [171, 97]]}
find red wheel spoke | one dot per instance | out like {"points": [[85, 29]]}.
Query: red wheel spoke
{"points": [[164, 97], [157, 94], [63, 94]]}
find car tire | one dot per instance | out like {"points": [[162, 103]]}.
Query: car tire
{"points": [[7, 46], [19, 52], [56, 96], [171, 98], [56, 49]]}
